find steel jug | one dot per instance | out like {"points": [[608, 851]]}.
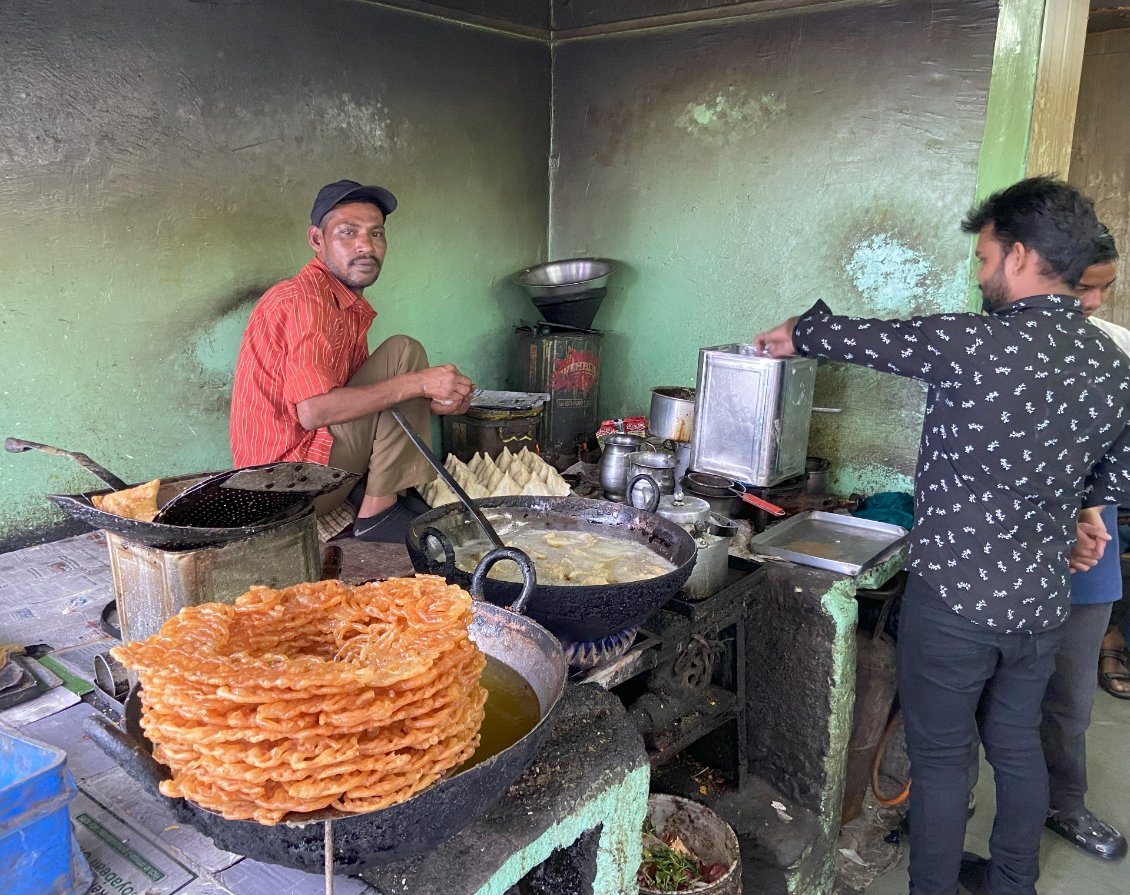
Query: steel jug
{"points": [[614, 463]]}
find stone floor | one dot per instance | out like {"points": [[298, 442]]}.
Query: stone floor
{"points": [[1064, 869]]}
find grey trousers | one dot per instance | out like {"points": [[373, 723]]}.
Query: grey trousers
{"points": [[1067, 705]]}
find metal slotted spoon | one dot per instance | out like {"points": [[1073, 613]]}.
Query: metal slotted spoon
{"points": [[251, 495], [202, 509]]}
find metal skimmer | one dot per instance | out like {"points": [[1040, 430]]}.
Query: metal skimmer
{"points": [[252, 495], [206, 508]]}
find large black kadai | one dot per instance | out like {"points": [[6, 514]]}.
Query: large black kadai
{"points": [[574, 613], [401, 831], [202, 509]]}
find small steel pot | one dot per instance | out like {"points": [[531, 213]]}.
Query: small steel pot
{"points": [[658, 467], [816, 475], [672, 412]]}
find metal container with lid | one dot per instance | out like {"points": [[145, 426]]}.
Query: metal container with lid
{"points": [[752, 414], [692, 513], [712, 550]]}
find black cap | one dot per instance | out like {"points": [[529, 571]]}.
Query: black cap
{"points": [[333, 194]]}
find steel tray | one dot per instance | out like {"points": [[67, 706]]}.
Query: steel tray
{"points": [[845, 544]]}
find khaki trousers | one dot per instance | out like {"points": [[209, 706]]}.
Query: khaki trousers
{"points": [[376, 443]]}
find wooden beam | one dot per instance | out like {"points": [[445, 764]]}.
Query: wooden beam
{"points": [[1057, 87]]}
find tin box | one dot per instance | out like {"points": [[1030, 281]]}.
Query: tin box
{"points": [[152, 585], [752, 414]]}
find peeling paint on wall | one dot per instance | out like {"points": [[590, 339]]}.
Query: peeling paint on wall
{"points": [[734, 114], [741, 171], [890, 274]]}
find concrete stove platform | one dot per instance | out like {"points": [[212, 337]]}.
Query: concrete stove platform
{"points": [[571, 823], [580, 806]]}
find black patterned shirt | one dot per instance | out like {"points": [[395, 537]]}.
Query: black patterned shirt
{"points": [[1026, 421]]}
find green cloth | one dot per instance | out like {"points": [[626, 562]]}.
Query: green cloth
{"points": [[892, 507]]}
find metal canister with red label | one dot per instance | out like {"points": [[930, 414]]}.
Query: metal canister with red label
{"points": [[565, 363]]}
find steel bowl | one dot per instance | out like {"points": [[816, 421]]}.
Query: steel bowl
{"points": [[572, 276]]}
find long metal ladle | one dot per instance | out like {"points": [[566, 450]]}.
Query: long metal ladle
{"points": [[448, 477]]}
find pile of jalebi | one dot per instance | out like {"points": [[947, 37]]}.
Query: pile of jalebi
{"points": [[320, 695]]}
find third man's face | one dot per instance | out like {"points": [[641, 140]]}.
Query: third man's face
{"points": [[1094, 286], [351, 243]]}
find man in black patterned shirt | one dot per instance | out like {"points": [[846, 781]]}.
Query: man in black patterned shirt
{"points": [[1026, 421]]}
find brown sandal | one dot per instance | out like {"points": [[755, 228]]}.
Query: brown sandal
{"points": [[1107, 678]]}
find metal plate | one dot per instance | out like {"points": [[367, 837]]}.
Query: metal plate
{"points": [[845, 544]]}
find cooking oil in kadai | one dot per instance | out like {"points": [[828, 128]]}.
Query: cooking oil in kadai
{"points": [[512, 710]]}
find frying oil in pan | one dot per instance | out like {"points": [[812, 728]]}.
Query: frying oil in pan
{"points": [[512, 711]]}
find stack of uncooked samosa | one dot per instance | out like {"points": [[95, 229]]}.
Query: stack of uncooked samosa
{"points": [[522, 474]]}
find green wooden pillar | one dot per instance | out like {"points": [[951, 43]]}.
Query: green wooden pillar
{"points": [[1033, 91]]}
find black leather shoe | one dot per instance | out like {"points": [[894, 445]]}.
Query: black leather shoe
{"points": [[974, 874], [1089, 833]]}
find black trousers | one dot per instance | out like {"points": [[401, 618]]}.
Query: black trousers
{"points": [[947, 666], [1067, 705]]}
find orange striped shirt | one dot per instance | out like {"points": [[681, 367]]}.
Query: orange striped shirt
{"points": [[306, 336]]}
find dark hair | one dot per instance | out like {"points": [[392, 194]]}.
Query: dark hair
{"points": [[1105, 249], [1047, 216]]}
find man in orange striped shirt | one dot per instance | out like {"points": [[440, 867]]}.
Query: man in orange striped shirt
{"points": [[307, 388]]}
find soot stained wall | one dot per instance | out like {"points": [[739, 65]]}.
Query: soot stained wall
{"points": [[743, 170], [157, 167]]}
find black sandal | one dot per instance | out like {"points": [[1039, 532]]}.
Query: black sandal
{"points": [[1107, 678]]}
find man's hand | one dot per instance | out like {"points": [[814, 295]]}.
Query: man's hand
{"points": [[1091, 538], [448, 390], [777, 342]]}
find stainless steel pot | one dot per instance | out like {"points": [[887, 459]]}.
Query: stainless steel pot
{"points": [[711, 567], [614, 463], [646, 470], [672, 412]]}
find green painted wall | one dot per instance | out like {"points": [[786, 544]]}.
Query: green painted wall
{"points": [[157, 168], [740, 171]]}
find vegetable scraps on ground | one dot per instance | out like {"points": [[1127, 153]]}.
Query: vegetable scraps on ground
{"points": [[669, 866]]}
